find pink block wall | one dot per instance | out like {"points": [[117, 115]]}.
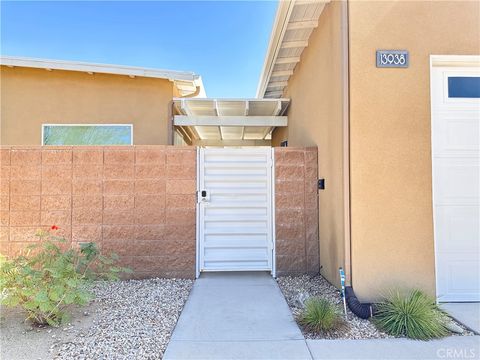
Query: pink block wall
{"points": [[296, 211], [136, 201], [139, 202]]}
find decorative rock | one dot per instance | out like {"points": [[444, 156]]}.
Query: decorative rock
{"points": [[451, 326], [300, 300], [134, 320], [297, 288]]}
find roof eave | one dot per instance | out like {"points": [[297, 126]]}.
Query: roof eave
{"points": [[49, 64], [279, 27]]}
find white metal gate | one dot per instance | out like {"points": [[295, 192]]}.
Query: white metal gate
{"points": [[235, 209]]}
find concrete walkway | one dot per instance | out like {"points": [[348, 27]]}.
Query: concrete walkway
{"points": [[466, 313], [453, 347], [245, 316], [236, 316]]}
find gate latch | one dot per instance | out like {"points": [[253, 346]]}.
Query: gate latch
{"points": [[203, 196]]}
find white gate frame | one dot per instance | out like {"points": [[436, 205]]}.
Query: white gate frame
{"points": [[197, 209]]}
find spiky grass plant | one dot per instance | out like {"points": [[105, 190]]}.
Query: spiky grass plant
{"points": [[414, 315], [320, 315]]}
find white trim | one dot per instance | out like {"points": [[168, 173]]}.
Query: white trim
{"points": [[186, 120], [176, 99], [51, 125], [238, 142], [197, 216], [49, 64], [200, 225], [274, 232], [454, 60]]}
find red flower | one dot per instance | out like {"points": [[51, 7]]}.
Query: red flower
{"points": [[54, 227]]}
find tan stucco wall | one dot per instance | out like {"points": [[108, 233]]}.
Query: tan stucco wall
{"points": [[30, 97], [315, 119], [392, 229]]}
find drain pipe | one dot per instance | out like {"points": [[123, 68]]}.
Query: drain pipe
{"points": [[363, 311]]}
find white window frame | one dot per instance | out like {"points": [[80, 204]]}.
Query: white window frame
{"points": [[130, 125]]}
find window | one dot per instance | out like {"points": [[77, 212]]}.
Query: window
{"points": [[87, 134], [463, 87]]}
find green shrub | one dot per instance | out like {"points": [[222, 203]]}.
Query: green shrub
{"points": [[414, 315], [51, 276], [320, 315]]}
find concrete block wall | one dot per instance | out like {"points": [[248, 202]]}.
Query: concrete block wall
{"points": [[139, 202], [296, 211]]}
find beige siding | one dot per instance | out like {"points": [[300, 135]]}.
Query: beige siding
{"points": [[315, 119], [392, 229], [30, 97]]}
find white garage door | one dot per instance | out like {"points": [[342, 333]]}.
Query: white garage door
{"points": [[235, 209], [455, 150]]}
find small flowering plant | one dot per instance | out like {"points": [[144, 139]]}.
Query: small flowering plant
{"points": [[51, 276]]}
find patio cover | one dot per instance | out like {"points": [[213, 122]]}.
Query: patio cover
{"points": [[228, 121]]}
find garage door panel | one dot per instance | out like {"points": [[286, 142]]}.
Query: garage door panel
{"points": [[458, 229], [461, 278], [456, 181], [456, 135], [462, 134], [456, 185]]}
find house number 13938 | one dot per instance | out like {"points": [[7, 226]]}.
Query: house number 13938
{"points": [[392, 58]]}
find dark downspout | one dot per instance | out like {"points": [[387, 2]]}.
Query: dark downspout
{"points": [[365, 310]]}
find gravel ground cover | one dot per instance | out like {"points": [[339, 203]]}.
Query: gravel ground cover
{"points": [[134, 320], [127, 320], [297, 289]]}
